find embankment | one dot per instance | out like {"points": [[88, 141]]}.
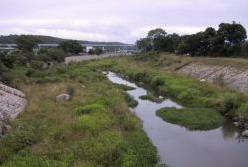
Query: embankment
{"points": [[232, 77]]}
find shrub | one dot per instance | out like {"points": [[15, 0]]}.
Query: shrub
{"points": [[230, 103], [157, 81], [242, 112], [130, 100]]}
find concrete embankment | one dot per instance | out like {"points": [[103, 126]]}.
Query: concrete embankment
{"points": [[12, 102], [232, 77]]}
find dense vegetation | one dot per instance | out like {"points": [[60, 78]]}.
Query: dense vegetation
{"points": [[95, 128], [46, 40], [192, 118], [27, 55], [229, 40], [194, 95]]}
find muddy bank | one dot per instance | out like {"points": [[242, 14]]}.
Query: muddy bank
{"points": [[231, 77]]}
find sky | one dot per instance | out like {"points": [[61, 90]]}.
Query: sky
{"points": [[116, 20]]}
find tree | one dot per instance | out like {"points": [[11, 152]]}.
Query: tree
{"points": [[91, 51], [98, 51], [158, 32], [144, 44], [52, 54], [71, 46], [26, 43], [233, 33]]}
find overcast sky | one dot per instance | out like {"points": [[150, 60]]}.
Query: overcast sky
{"points": [[116, 20]]}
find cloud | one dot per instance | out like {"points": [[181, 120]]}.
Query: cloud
{"points": [[111, 20]]}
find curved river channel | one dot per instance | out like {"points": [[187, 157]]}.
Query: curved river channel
{"points": [[179, 147]]}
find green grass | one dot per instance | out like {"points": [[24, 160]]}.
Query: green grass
{"points": [[151, 98], [130, 100], [192, 118], [185, 90], [94, 128]]}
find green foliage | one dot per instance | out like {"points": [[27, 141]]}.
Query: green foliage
{"points": [[130, 100], [52, 54], [157, 82], [151, 97], [36, 64], [95, 128], [71, 46], [34, 161], [98, 51], [242, 112], [230, 103], [89, 108], [192, 118], [27, 43], [228, 40], [95, 51]]}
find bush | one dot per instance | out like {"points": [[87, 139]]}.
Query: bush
{"points": [[34, 161], [36, 64], [242, 112], [230, 103], [157, 81], [130, 100]]}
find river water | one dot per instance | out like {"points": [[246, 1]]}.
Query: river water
{"points": [[179, 147]]}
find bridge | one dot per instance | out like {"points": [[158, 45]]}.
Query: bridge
{"points": [[105, 47]]}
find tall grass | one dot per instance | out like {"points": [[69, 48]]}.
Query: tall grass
{"points": [[95, 128]]}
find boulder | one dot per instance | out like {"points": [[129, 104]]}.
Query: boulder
{"points": [[236, 123], [245, 133], [63, 98]]}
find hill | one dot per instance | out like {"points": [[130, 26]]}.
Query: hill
{"points": [[50, 40]]}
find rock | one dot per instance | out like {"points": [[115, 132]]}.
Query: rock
{"points": [[245, 133], [63, 98], [236, 123], [246, 125], [160, 97], [105, 73], [203, 80]]}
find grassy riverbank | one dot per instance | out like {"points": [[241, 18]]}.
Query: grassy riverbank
{"points": [[189, 92], [94, 128], [192, 118]]}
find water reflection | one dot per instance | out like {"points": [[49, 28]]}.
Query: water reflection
{"points": [[178, 147]]}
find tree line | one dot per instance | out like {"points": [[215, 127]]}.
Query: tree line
{"points": [[228, 40], [29, 55]]}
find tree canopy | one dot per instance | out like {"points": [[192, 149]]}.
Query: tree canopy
{"points": [[26, 42], [228, 40], [71, 46]]}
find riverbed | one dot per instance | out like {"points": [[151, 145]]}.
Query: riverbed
{"points": [[179, 147]]}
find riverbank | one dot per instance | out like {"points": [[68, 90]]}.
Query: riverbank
{"points": [[179, 147], [188, 91], [94, 128]]}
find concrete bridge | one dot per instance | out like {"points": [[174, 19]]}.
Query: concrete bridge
{"points": [[105, 47]]}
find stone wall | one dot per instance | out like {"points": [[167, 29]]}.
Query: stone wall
{"points": [[12, 102], [224, 75]]}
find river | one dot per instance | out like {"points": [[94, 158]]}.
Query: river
{"points": [[179, 147]]}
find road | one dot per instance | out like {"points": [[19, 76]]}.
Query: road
{"points": [[92, 57]]}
